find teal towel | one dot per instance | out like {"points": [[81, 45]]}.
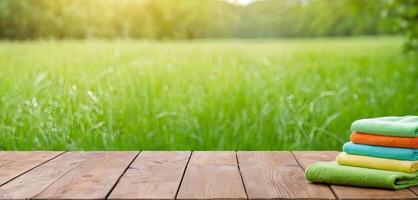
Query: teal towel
{"points": [[393, 126], [331, 173], [381, 152]]}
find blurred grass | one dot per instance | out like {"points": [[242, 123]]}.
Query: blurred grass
{"points": [[201, 95]]}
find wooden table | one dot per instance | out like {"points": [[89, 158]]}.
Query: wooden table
{"points": [[172, 174]]}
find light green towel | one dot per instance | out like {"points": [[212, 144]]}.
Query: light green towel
{"points": [[393, 126], [332, 173]]}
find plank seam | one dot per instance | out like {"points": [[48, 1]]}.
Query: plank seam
{"points": [[121, 175], [33, 168], [184, 173], [34, 196], [240, 174], [416, 193], [329, 186]]}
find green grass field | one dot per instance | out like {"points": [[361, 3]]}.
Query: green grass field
{"points": [[223, 94]]}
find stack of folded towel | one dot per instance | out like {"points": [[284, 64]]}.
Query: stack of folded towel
{"points": [[383, 153]]}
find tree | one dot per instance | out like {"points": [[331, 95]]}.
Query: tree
{"points": [[404, 15]]}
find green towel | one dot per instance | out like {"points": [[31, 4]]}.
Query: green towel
{"points": [[393, 126], [332, 173]]}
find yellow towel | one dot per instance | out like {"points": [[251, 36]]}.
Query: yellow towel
{"points": [[377, 163]]}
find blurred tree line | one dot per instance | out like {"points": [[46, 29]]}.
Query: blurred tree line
{"points": [[403, 15], [188, 19], [159, 19]]}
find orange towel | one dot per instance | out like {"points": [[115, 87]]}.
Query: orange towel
{"points": [[381, 140]]}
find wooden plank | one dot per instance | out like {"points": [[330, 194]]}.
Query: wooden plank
{"points": [[15, 163], [415, 190], [33, 182], [212, 175], [277, 175], [305, 158], [153, 175], [346, 192], [92, 179]]}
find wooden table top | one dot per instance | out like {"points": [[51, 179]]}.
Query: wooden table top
{"points": [[172, 175]]}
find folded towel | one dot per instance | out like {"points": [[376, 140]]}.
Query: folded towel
{"points": [[381, 152], [395, 126], [382, 140], [377, 163], [332, 173]]}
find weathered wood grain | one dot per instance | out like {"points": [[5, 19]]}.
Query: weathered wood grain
{"points": [[153, 175], [346, 192], [92, 179], [15, 163], [415, 190], [277, 175], [33, 182], [160, 175], [212, 175], [305, 158]]}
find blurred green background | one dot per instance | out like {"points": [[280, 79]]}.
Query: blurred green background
{"points": [[202, 74]]}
